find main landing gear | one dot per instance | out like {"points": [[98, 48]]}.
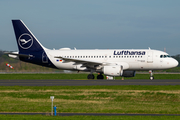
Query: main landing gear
{"points": [[151, 75], [100, 76], [91, 76]]}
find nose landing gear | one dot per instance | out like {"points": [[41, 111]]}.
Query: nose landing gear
{"points": [[151, 75]]}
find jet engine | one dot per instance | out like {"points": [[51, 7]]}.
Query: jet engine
{"points": [[113, 70]]}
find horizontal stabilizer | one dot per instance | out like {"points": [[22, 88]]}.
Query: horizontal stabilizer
{"points": [[15, 55]]}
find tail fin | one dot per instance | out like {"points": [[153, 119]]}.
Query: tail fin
{"points": [[26, 41]]}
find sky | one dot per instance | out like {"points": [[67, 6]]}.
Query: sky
{"points": [[95, 24]]}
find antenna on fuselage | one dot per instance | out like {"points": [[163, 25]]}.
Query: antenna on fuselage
{"points": [[164, 49]]}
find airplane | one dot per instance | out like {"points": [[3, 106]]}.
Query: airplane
{"points": [[110, 62]]}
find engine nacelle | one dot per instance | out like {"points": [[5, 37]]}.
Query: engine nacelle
{"points": [[113, 70], [129, 73]]}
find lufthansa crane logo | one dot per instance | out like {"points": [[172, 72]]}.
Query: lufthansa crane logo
{"points": [[25, 41]]}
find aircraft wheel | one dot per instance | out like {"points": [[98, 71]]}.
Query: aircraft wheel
{"points": [[100, 77], [151, 75], [151, 78], [90, 76]]}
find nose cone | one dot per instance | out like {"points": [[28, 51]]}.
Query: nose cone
{"points": [[174, 63]]}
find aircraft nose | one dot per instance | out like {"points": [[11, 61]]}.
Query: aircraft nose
{"points": [[174, 63]]}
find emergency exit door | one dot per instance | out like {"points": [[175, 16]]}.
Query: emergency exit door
{"points": [[150, 57]]}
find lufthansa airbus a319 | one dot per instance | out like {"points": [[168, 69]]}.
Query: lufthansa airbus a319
{"points": [[114, 62]]}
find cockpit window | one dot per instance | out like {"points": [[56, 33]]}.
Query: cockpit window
{"points": [[164, 56]]}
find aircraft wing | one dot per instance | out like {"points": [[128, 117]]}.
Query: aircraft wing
{"points": [[86, 63], [92, 64]]}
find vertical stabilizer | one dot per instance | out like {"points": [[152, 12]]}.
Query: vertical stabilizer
{"points": [[26, 41]]}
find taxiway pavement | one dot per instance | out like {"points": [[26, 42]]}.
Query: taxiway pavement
{"points": [[86, 82]]}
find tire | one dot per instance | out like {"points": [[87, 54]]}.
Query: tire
{"points": [[90, 76], [151, 78], [100, 77]]}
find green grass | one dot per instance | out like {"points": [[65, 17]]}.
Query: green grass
{"points": [[114, 87], [79, 76], [92, 99], [41, 117]]}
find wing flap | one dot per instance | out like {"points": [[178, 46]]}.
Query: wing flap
{"points": [[80, 61]]}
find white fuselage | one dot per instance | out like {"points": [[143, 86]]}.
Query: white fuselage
{"points": [[131, 59]]}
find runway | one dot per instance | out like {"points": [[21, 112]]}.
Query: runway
{"points": [[85, 82]]}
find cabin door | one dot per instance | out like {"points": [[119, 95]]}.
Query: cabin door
{"points": [[150, 57]]}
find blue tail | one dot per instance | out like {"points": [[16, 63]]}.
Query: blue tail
{"points": [[30, 49], [26, 41]]}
